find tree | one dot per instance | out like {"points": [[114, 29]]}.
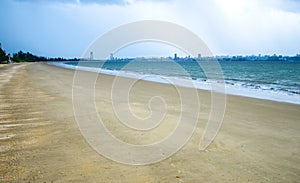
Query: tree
{"points": [[19, 57], [3, 56]]}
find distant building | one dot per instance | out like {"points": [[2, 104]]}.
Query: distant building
{"points": [[91, 55], [175, 56], [111, 56], [199, 56]]}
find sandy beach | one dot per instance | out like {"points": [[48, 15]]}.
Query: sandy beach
{"points": [[40, 141]]}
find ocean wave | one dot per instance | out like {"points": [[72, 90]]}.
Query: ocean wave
{"points": [[259, 90]]}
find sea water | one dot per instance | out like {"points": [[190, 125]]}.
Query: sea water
{"points": [[271, 80]]}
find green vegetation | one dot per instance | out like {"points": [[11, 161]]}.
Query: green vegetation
{"points": [[3, 56], [28, 57]]}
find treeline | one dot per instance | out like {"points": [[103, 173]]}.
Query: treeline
{"points": [[28, 57], [3, 56]]}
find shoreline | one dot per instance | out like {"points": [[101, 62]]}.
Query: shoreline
{"points": [[238, 92], [258, 140], [229, 90]]}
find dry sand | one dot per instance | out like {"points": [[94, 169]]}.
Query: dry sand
{"points": [[259, 140]]}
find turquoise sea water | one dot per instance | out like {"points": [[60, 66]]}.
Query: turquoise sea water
{"points": [[274, 80]]}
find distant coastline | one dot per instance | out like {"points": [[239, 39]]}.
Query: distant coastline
{"points": [[29, 57], [259, 57], [21, 56]]}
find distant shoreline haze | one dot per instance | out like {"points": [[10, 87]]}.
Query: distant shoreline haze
{"points": [[29, 57]]}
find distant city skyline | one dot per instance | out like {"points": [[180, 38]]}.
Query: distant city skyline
{"points": [[199, 57], [229, 27]]}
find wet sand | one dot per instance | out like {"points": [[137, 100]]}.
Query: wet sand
{"points": [[259, 140]]}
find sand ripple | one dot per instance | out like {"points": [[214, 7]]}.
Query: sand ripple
{"points": [[20, 111]]}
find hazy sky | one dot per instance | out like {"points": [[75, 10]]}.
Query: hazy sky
{"points": [[228, 27]]}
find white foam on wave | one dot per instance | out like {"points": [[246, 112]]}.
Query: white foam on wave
{"points": [[263, 94], [230, 89]]}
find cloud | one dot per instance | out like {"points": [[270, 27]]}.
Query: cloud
{"points": [[103, 2], [74, 1], [243, 26], [67, 27]]}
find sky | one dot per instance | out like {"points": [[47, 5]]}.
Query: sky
{"points": [[66, 28]]}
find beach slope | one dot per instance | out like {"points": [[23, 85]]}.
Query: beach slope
{"points": [[40, 141]]}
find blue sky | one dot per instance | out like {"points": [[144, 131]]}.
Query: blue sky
{"points": [[228, 27]]}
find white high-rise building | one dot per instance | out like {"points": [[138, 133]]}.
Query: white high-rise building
{"points": [[91, 55]]}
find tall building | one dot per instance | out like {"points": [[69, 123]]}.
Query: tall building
{"points": [[175, 56], [199, 56], [91, 55], [111, 56]]}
